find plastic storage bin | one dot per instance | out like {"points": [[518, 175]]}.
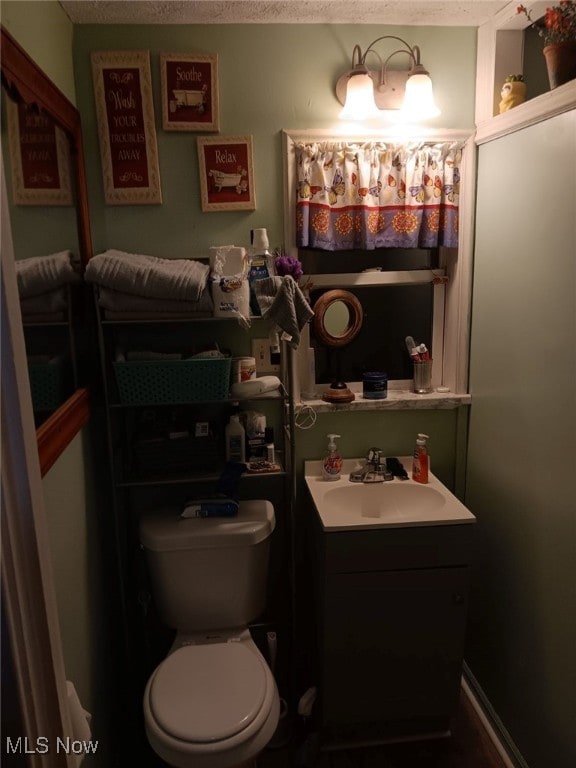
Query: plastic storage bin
{"points": [[173, 381]]}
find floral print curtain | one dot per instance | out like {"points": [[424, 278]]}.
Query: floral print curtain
{"points": [[375, 195]]}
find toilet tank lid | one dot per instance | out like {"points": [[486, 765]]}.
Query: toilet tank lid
{"points": [[167, 531]]}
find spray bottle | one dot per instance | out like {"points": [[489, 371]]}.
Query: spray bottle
{"points": [[332, 461], [421, 462]]}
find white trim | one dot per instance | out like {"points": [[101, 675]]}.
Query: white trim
{"points": [[458, 292], [398, 277], [543, 107], [29, 599], [500, 48], [486, 724]]}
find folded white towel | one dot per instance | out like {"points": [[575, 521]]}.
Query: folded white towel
{"points": [[118, 302], [40, 274], [141, 275], [45, 303]]}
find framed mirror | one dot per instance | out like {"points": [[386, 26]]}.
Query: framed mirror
{"points": [[26, 87], [338, 317]]}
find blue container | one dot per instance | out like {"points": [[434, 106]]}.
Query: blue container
{"points": [[375, 385]]}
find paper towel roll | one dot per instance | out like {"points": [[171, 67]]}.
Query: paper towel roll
{"points": [[228, 259]]}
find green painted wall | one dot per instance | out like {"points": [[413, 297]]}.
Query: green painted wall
{"points": [[272, 77], [45, 32], [78, 567], [520, 456]]}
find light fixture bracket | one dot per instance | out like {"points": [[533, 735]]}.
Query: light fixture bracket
{"points": [[407, 91], [388, 95]]}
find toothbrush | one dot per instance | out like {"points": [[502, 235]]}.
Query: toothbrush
{"points": [[412, 348]]}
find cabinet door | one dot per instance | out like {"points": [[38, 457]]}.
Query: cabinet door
{"points": [[393, 644]]}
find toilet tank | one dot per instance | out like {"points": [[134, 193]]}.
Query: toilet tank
{"points": [[209, 573]]}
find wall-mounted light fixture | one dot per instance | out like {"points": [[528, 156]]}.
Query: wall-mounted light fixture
{"points": [[364, 92]]}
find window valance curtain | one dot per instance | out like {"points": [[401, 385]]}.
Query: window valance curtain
{"points": [[377, 195]]}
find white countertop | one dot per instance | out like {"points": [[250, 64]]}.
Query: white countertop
{"points": [[343, 505]]}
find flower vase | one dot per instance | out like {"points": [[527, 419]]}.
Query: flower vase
{"points": [[561, 62]]}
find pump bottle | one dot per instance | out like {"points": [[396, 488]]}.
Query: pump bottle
{"points": [[421, 462], [332, 465]]}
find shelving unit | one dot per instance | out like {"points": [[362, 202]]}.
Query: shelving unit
{"points": [[160, 479]]}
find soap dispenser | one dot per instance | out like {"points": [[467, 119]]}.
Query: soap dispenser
{"points": [[421, 461], [332, 465]]}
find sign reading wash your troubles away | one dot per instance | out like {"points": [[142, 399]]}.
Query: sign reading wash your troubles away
{"points": [[126, 130]]}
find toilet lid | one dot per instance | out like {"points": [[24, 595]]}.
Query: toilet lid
{"points": [[206, 693]]}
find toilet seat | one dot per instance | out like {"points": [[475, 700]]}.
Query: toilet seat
{"points": [[207, 693], [211, 705]]}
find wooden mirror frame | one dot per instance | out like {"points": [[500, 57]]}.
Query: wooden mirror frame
{"points": [[323, 304], [25, 81]]}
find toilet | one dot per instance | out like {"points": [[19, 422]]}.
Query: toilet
{"points": [[212, 702]]}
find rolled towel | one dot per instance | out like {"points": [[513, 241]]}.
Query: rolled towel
{"points": [[141, 275], [281, 300], [40, 274]]}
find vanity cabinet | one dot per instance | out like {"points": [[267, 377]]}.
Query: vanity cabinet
{"points": [[392, 606]]}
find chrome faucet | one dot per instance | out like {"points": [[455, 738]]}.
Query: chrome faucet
{"points": [[374, 469]]}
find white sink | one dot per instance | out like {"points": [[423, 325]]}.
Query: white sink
{"points": [[343, 505]]}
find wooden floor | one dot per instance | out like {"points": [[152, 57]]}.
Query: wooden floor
{"points": [[468, 747]]}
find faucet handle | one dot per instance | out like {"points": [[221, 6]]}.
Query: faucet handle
{"points": [[374, 456]]}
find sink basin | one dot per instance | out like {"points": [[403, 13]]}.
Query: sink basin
{"points": [[343, 505]]}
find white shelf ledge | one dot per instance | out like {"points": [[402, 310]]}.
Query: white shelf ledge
{"points": [[397, 400], [535, 110]]}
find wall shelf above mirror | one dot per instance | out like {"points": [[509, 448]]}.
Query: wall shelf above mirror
{"points": [[49, 217]]}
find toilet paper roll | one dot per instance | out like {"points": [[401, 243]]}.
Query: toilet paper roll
{"points": [[79, 717]]}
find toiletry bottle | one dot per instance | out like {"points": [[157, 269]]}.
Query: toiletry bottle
{"points": [[235, 440], [333, 461], [260, 265], [421, 462]]}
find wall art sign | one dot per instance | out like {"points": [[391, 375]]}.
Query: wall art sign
{"points": [[40, 157], [189, 92], [226, 173], [126, 129]]}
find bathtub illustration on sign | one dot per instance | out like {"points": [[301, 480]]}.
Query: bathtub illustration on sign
{"points": [[188, 98], [236, 180]]}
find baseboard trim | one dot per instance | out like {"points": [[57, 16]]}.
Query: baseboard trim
{"points": [[491, 722]]}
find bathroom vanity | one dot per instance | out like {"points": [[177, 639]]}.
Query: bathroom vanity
{"points": [[392, 571]]}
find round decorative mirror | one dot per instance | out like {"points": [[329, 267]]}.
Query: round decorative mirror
{"points": [[337, 318]]}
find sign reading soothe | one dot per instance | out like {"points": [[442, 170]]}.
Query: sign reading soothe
{"points": [[189, 92], [125, 112]]}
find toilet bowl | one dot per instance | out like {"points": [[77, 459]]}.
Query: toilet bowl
{"points": [[213, 701], [211, 704]]}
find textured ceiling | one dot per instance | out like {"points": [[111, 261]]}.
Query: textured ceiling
{"points": [[419, 12]]}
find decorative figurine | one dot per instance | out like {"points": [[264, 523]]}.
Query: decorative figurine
{"points": [[513, 92]]}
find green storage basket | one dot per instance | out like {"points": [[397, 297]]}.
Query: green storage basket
{"points": [[173, 381], [47, 384]]}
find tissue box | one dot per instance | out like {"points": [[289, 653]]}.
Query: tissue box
{"points": [[228, 260]]}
